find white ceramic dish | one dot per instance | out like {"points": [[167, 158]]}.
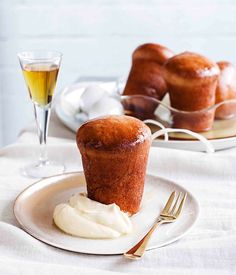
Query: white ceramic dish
{"points": [[34, 209], [222, 136]]}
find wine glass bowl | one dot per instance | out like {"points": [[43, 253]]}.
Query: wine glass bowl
{"points": [[40, 70]]}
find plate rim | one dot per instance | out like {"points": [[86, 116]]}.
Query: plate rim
{"points": [[70, 124], [31, 233], [177, 140]]}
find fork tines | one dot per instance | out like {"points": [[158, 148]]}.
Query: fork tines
{"points": [[174, 205]]}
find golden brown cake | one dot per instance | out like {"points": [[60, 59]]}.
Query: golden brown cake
{"points": [[226, 89], [145, 78], [191, 80], [114, 153]]}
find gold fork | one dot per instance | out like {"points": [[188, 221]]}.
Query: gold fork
{"points": [[169, 214]]}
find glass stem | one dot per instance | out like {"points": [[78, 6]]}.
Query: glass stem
{"points": [[42, 115]]}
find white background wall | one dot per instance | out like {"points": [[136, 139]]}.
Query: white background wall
{"points": [[97, 37]]}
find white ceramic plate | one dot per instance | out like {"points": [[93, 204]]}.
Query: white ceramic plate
{"points": [[34, 209], [222, 136]]}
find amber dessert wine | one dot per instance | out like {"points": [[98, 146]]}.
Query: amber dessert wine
{"points": [[41, 81], [40, 70]]}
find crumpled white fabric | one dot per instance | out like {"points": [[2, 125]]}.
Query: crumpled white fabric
{"points": [[209, 248]]}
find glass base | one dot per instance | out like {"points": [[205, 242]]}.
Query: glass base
{"points": [[43, 169]]}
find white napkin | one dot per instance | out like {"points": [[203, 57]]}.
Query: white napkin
{"points": [[209, 248]]}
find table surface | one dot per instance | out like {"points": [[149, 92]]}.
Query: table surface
{"points": [[210, 247]]}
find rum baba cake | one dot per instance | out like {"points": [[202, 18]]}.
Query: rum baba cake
{"points": [[146, 79], [114, 153], [226, 90], [191, 79]]}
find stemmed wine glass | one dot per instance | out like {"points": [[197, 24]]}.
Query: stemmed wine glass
{"points": [[40, 70]]}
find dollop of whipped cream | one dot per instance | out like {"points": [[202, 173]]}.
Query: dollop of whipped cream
{"points": [[86, 218]]}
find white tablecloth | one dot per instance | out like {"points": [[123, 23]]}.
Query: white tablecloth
{"points": [[209, 248]]}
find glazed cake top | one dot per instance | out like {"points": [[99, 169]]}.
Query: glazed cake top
{"points": [[225, 64], [190, 65], [152, 52], [112, 133]]}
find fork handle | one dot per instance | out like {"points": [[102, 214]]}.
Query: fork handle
{"points": [[138, 250]]}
